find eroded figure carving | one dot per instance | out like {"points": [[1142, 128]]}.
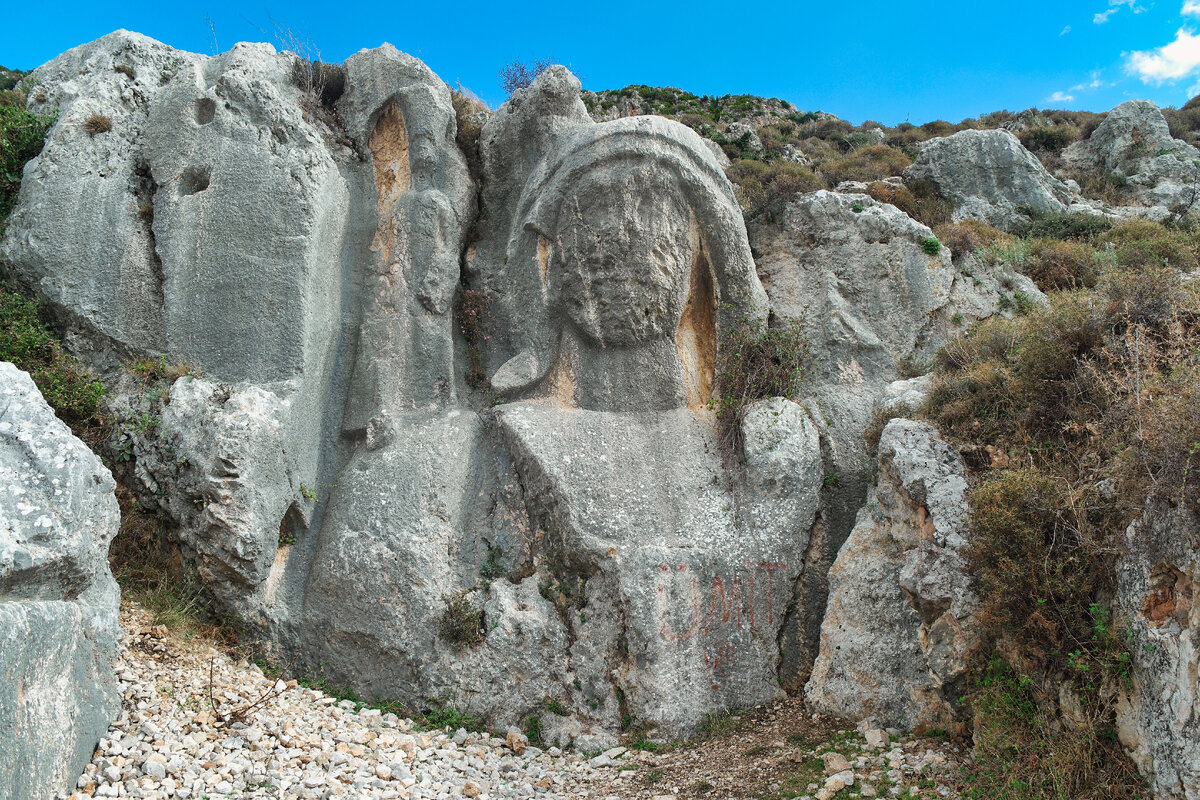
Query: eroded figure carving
{"points": [[625, 259], [406, 348]]}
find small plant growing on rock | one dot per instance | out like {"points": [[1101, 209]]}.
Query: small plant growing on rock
{"points": [[462, 622], [756, 361], [533, 729], [931, 246], [97, 124], [520, 74]]}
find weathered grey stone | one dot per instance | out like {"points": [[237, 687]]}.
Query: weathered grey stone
{"points": [[425, 202], [586, 336], [1135, 141], [740, 131], [900, 623], [638, 503], [58, 599], [112, 228], [1158, 586], [216, 460], [989, 175], [873, 304]]}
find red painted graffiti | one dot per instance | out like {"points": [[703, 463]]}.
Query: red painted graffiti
{"points": [[729, 601]]}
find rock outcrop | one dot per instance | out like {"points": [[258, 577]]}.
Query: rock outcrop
{"points": [[990, 176], [875, 305], [58, 600], [1158, 717], [340, 485], [900, 623], [1135, 143]]}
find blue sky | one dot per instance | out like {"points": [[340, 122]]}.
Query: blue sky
{"points": [[886, 61]]}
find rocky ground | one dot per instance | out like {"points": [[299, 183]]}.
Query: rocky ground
{"points": [[199, 723]]}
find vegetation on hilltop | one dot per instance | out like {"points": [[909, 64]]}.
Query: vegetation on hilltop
{"points": [[784, 151]]}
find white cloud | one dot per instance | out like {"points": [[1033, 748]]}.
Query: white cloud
{"points": [[1191, 7], [1060, 97], [1116, 5], [1170, 62], [1065, 31], [1094, 83]]}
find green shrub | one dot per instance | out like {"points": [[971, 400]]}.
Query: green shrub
{"points": [[533, 729], [939, 127], [968, 236], [21, 137], [1111, 188], [931, 246], [1098, 387], [919, 199], [1024, 752], [521, 74], [438, 713], [25, 341], [1035, 573], [1051, 140], [1080, 227]]}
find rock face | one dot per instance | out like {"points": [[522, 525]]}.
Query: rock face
{"points": [[900, 622], [1134, 141], [874, 304], [602, 361], [989, 175], [58, 600], [1158, 587], [340, 486]]}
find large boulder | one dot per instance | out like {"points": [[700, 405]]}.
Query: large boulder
{"points": [[58, 600], [1135, 142], [900, 624], [990, 176], [874, 304], [1158, 586]]}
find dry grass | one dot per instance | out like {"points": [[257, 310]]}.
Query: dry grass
{"points": [[1055, 264], [764, 190], [151, 572], [97, 124], [865, 164], [919, 199]]}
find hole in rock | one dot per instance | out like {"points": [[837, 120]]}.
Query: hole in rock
{"points": [[292, 526], [206, 109], [193, 180]]}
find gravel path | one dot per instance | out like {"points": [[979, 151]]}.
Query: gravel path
{"points": [[243, 735]]}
